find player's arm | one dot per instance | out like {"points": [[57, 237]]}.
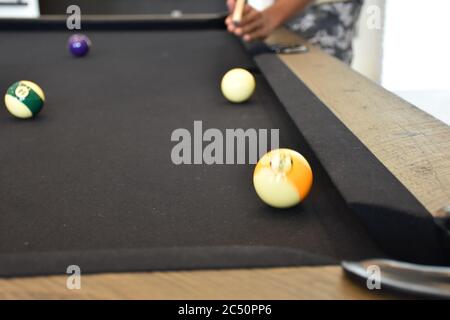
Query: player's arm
{"points": [[259, 24]]}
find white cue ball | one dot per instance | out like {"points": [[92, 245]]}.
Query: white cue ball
{"points": [[238, 85]]}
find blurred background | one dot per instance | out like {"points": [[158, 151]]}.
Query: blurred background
{"points": [[410, 54], [407, 52]]}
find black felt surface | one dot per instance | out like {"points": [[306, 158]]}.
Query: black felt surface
{"points": [[93, 174], [133, 7]]}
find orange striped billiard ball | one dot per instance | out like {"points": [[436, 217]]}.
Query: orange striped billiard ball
{"points": [[282, 178]]}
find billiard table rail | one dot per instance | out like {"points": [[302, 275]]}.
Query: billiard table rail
{"points": [[119, 22]]}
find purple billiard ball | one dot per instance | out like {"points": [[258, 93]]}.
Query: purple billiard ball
{"points": [[79, 45]]}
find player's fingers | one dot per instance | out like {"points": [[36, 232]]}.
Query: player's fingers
{"points": [[251, 19], [247, 9], [230, 25], [249, 28], [248, 12], [258, 34], [228, 20], [230, 5], [248, 22], [252, 27]]}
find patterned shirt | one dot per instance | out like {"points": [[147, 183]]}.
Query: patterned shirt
{"points": [[329, 24]]}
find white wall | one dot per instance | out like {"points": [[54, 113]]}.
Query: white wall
{"points": [[368, 44], [416, 63], [417, 46], [260, 4]]}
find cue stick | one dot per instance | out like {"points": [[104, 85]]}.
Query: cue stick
{"points": [[238, 11]]}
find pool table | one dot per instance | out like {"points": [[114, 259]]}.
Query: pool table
{"points": [[91, 182]]}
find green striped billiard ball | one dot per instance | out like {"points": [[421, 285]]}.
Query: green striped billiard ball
{"points": [[24, 99]]}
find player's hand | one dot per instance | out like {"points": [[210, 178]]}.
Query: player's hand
{"points": [[254, 25]]}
